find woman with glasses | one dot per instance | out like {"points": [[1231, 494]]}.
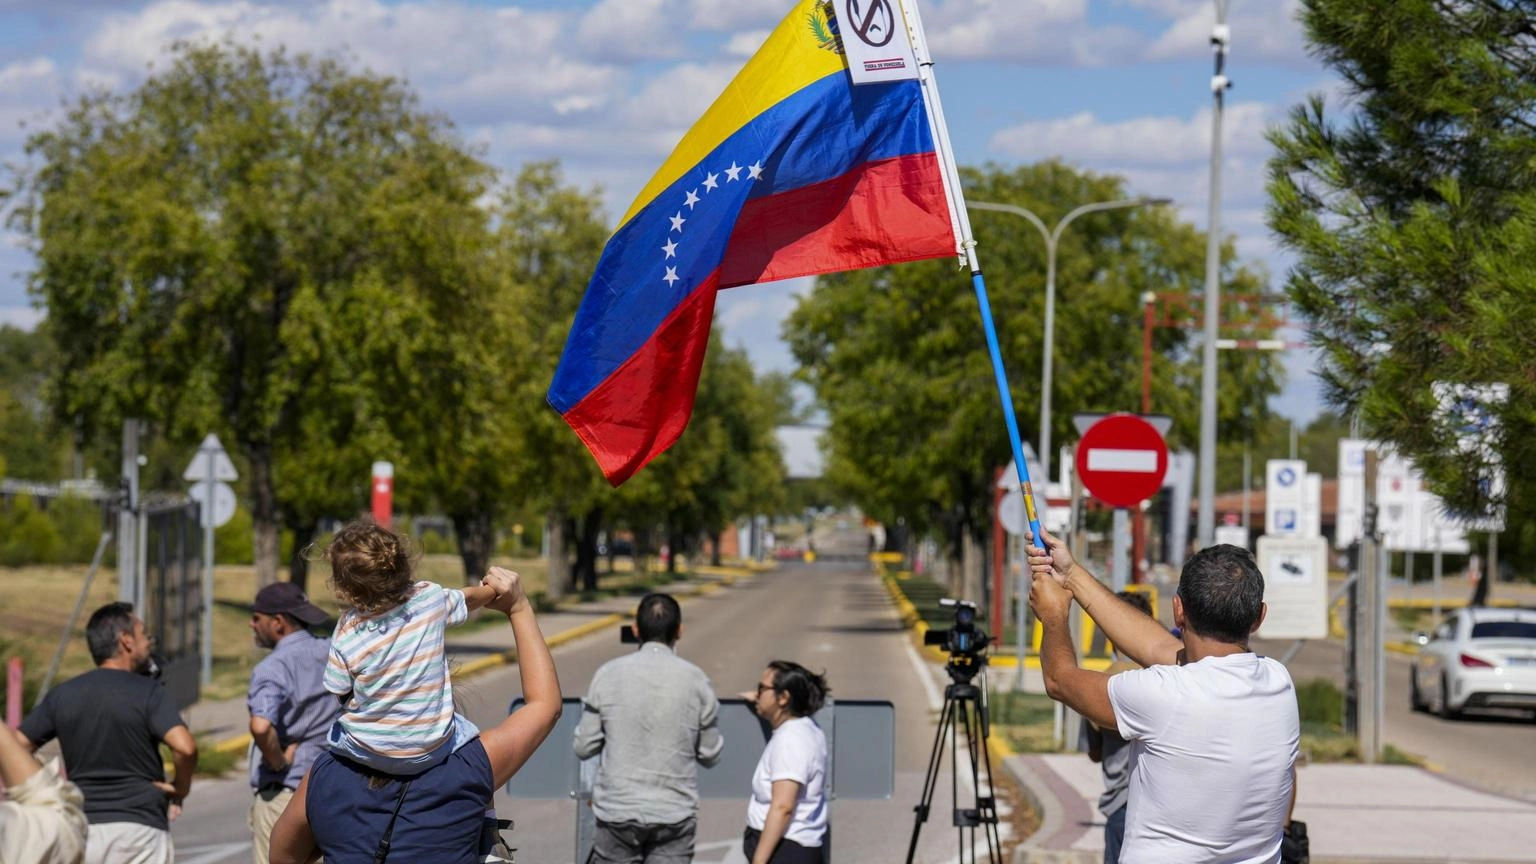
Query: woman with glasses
{"points": [[787, 814]]}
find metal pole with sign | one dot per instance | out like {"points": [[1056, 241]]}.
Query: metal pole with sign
{"points": [[211, 472]]}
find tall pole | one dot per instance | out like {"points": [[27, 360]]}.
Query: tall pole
{"points": [[1221, 35], [207, 652], [127, 519], [1052, 238], [1369, 660]]}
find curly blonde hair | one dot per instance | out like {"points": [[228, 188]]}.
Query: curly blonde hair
{"points": [[371, 567]]}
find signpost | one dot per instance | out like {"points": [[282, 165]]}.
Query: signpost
{"points": [[1122, 459], [1295, 587], [383, 492], [211, 472], [1284, 497]]}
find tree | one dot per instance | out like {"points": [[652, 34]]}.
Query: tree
{"points": [[1409, 209], [240, 235], [548, 239], [896, 354], [30, 449]]}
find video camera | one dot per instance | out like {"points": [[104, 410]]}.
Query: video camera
{"points": [[963, 639]]}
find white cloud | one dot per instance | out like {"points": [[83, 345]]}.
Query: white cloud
{"points": [[24, 317], [750, 316], [632, 30], [28, 90], [1160, 140], [1037, 32], [1265, 31]]}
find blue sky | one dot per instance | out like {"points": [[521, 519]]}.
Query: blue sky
{"points": [[608, 86]]}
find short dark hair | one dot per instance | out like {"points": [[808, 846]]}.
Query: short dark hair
{"points": [[1223, 593], [807, 690], [1138, 599], [658, 618], [106, 626]]}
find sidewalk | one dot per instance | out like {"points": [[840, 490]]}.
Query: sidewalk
{"points": [[1354, 813], [226, 721]]}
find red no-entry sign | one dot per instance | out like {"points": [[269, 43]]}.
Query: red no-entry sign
{"points": [[1122, 459]]}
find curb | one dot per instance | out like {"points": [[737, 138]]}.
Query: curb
{"points": [[728, 576], [914, 622]]}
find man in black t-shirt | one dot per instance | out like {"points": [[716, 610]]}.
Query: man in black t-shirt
{"points": [[110, 722]]}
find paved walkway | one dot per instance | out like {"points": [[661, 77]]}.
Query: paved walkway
{"points": [[1354, 813], [227, 723]]}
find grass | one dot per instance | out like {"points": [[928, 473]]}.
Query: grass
{"points": [[1025, 720]]}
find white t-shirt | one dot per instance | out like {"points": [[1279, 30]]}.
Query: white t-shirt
{"points": [[1212, 748], [797, 751]]}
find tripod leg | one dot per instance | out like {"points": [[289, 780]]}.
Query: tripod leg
{"points": [[931, 775]]}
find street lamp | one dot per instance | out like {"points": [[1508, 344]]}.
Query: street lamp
{"points": [[1052, 235]]}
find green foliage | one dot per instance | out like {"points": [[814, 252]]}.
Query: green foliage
{"points": [[262, 245], [1320, 701], [232, 540], [28, 536], [79, 524], [897, 358], [1410, 208], [30, 449]]}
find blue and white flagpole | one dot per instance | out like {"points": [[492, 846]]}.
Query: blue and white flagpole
{"points": [[961, 221]]}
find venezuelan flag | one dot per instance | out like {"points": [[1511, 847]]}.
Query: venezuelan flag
{"points": [[793, 171]]}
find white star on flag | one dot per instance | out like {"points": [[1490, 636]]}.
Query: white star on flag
{"points": [[677, 221], [671, 276], [670, 248], [755, 170], [733, 172], [693, 198], [711, 182]]}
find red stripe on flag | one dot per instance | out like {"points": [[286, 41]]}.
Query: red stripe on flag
{"points": [[644, 406], [884, 212]]}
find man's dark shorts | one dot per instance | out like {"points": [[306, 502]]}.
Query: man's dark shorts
{"points": [[633, 843]]}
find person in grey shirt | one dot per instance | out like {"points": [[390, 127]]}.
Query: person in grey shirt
{"points": [[1106, 747], [651, 716], [288, 703]]}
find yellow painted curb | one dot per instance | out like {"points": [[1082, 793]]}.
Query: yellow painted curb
{"points": [[910, 619], [1407, 648]]}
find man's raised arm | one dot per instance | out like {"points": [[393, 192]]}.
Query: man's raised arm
{"points": [[1137, 636]]}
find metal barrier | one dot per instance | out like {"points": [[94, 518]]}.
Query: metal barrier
{"points": [[173, 601], [863, 765]]}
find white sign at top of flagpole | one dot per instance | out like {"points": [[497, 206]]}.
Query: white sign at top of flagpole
{"points": [[875, 40], [210, 449]]}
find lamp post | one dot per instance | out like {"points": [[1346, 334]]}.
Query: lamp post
{"points": [[1052, 235], [1221, 37]]}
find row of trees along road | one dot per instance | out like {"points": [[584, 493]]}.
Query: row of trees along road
{"points": [[896, 354], [304, 259], [1410, 206]]}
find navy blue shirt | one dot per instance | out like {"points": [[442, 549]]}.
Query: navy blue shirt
{"points": [[286, 690], [441, 816]]}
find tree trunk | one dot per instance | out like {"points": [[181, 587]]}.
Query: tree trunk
{"points": [[475, 543], [714, 547], [586, 548], [298, 565], [558, 563], [973, 565], [674, 545], [264, 516]]}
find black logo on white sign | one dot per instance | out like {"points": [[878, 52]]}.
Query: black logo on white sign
{"points": [[874, 22]]}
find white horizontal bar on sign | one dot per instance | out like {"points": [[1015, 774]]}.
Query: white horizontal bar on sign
{"points": [[1133, 461]]}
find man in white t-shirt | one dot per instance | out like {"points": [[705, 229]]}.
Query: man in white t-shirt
{"points": [[1214, 728]]}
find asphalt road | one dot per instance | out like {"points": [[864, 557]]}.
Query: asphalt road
{"points": [[827, 616], [1492, 750]]}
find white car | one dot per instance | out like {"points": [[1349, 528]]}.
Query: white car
{"points": [[1477, 658]]}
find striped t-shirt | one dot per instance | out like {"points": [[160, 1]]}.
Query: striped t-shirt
{"points": [[392, 673]]}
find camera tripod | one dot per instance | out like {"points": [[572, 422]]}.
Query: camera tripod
{"points": [[964, 709]]}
